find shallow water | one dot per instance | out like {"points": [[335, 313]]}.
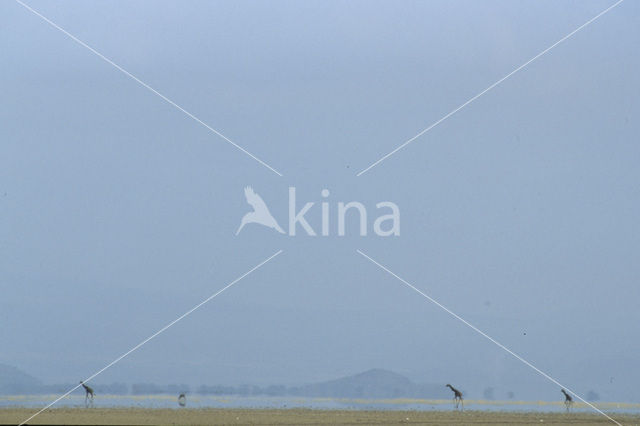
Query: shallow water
{"points": [[207, 401]]}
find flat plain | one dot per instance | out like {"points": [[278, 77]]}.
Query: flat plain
{"points": [[210, 416]]}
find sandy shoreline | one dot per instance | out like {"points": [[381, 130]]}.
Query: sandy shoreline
{"points": [[138, 416]]}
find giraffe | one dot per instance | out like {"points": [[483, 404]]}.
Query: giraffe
{"points": [[457, 397], [568, 401], [88, 396]]}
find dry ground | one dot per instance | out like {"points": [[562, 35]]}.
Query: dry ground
{"points": [[137, 416]]}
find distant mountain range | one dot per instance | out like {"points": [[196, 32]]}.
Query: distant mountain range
{"points": [[15, 381], [376, 383]]}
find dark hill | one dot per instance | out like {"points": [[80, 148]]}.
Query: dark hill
{"points": [[376, 383]]}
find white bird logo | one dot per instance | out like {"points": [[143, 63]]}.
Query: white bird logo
{"points": [[260, 213]]}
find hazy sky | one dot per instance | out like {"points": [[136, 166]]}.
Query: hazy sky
{"points": [[519, 213]]}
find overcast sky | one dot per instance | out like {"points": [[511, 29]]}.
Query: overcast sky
{"points": [[519, 213]]}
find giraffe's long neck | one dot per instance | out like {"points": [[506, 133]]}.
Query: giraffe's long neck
{"points": [[455, 391]]}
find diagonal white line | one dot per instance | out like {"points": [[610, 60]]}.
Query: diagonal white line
{"points": [[489, 88], [145, 85], [485, 335], [155, 334]]}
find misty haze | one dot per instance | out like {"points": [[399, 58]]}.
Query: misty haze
{"points": [[122, 207]]}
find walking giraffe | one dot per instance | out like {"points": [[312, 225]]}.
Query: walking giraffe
{"points": [[568, 401], [88, 396], [457, 397]]}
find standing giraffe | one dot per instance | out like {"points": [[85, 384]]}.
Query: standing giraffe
{"points": [[457, 397], [567, 399], [88, 396]]}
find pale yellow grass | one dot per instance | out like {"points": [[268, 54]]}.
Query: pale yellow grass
{"points": [[139, 416]]}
